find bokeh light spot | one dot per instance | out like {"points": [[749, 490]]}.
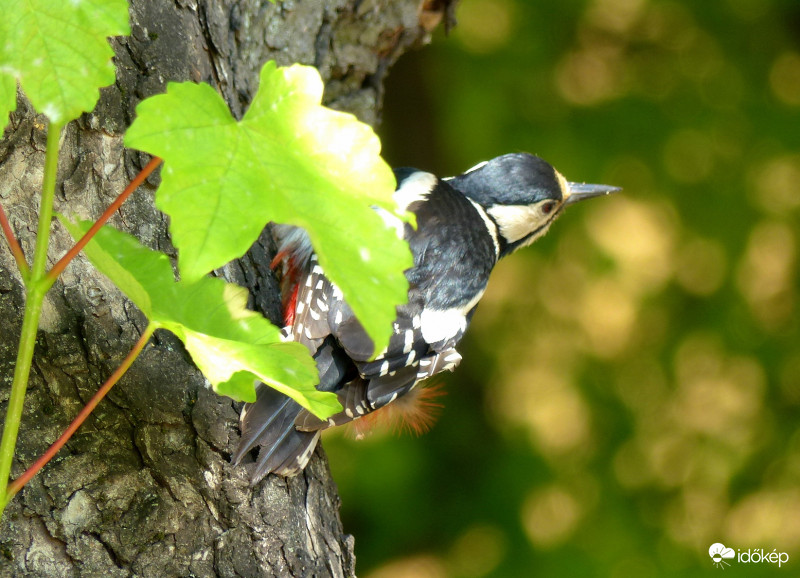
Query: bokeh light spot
{"points": [[775, 183], [771, 516], [615, 15], [670, 456], [607, 314], [542, 398], [645, 252], [550, 515], [694, 516], [669, 25], [590, 75], [701, 266], [419, 566], [718, 395], [478, 551], [766, 273], [485, 26], [784, 78]]}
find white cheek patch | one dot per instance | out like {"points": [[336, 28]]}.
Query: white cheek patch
{"points": [[542, 232], [518, 221]]}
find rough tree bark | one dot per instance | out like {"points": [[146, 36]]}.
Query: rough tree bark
{"points": [[145, 487]]}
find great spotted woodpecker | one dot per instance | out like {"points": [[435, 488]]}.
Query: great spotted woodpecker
{"points": [[465, 224]]}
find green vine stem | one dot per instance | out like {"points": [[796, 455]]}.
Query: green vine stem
{"points": [[37, 283], [18, 484], [36, 286]]}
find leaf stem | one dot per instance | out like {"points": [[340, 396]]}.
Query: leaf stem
{"points": [[18, 484], [46, 207], [36, 287], [27, 342], [14, 245], [59, 267]]}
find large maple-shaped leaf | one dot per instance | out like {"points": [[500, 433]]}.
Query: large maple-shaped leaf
{"points": [[289, 160], [233, 346], [59, 52]]}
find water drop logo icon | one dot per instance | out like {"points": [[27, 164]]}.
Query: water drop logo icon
{"points": [[719, 553]]}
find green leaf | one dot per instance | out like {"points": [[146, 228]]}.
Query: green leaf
{"points": [[58, 51], [290, 160], [233, 346]]}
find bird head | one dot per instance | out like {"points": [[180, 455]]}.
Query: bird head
{"points": [[523, 195]]}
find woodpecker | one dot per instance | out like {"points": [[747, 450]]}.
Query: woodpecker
{"points": [[465, 225]]}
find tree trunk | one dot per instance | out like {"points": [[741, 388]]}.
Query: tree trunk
{"points": [[145, 487]]}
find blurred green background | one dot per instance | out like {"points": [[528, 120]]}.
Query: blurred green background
{"points": [[630, 389]]}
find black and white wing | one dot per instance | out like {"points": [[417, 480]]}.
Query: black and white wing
{"points": [[454, 248]]}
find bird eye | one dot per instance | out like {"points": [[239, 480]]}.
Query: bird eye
{"points": [[548, 207]]}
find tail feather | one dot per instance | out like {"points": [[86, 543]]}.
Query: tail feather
{"points": [[257, 418], [287, 456], [269, 422]]}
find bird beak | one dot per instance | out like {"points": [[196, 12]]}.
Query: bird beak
{"points": [[580, 191]]}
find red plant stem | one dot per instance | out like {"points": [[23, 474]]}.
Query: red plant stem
{"points": [[19, 256], [59, 267], [17, 484]]}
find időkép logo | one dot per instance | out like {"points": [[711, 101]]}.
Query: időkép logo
{"points": [[720, 556]]}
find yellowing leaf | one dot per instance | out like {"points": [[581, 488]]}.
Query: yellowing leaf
{"points": [[289, 160], [233, 346]]}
